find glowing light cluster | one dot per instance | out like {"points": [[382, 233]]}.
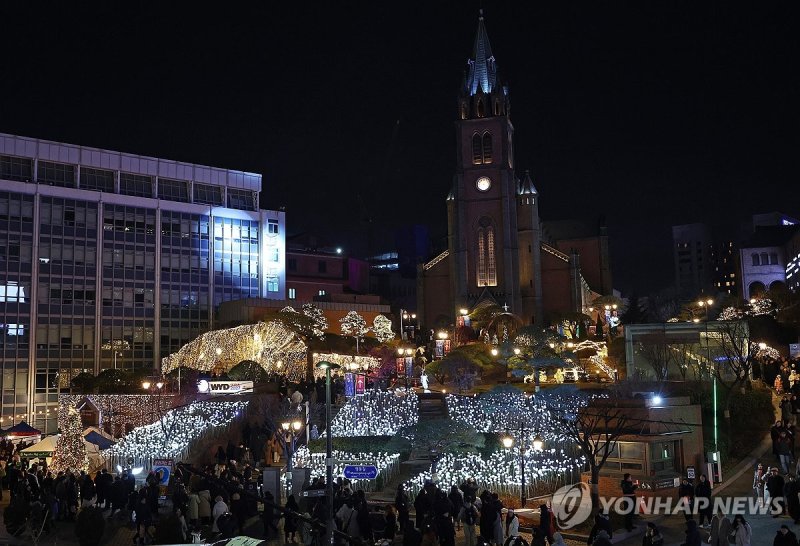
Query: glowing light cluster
{"points": [[387, 463], [271, 345], [70, 451], [377, 413], [119, 409], [500, 472], [171, 435], [345, 362]]}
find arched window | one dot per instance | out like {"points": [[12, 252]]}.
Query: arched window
{"points": [[491, 270], [773, 259], [487, 147], [757, 289], [477, 152], [756, 260], [481, 265], [764, 258], [496, 107], [480, 108]]}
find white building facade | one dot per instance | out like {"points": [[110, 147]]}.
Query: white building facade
{"points": [[113, 260]]}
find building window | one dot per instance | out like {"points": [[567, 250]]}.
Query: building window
{"points": [[756, 260], [322, 266], [173, 190], [764, 258], [487, 148], [491, 270], [272, 284], [56, 174], [321, 292], [208, 195], [497, 108], [136, 185], [292, 293], [481, 273], [241, 199], [16, 168], [773, 259], [480, 108], [477, 150], [97, 180], [274, 254], [272, 227]]}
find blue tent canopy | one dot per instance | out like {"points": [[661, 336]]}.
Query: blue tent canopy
{"points": [[99, 440], [22, 429]]}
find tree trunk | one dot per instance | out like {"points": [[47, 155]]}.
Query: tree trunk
{"points": [[595, 488]]}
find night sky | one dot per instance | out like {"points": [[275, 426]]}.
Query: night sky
{"points": [[650, 113]]}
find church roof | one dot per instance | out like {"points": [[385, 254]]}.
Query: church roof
{"points": [[526, 187], [482, 73]]}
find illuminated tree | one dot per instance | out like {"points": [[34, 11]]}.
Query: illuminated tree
{"points": [[70, 451], [382, 327], [354, 325]]}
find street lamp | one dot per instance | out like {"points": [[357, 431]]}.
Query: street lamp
{"points": [[329, 524], [406, 315], [538, 445], [291, 431]]}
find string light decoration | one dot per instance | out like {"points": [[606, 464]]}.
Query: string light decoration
{"points": [[387, 464], [119, 410], [353, 325], [171, 436], [70, 451], [271, 345], [363, 363], [377, 413], [765, 353], [312, 320], [382, 327]]}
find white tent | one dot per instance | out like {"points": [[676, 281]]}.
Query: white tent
{"points": [[45, 449]]}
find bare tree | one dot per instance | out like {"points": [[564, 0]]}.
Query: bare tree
{"points": [[595, 428], [659, 354], [733, 366]]}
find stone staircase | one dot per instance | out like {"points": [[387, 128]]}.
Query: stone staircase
{"points": [[432, 405]]}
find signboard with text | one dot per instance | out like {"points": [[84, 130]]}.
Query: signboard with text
{"points": [[207, 386], [349, 385], [360, 472], [361, 383]]}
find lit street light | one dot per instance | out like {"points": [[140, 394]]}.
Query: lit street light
{"points": [[538, 445], [329, 524]]}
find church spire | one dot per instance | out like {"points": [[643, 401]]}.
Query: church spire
{"points": [[482, 75]]}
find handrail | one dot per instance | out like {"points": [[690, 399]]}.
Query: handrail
{"points": [[436, 260]]}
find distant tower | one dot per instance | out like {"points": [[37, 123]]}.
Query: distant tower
{"points": [[482, 205], [530, 256]]}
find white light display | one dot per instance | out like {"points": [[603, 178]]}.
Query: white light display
{"points": [[377, 413], [387, 464], [345, 362]]}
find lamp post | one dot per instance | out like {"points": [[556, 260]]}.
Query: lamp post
{"points": [[329, 524], [291, 430], [538, 445], [407, 316]]}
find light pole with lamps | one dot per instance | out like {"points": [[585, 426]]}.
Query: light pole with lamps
{"points": [[538, 445], [407, 316], [329, 523], [154, 389], [291, 430]]}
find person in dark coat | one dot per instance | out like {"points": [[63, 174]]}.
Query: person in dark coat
{"points": [[785, 537], [401, 504], [791, 490], [629, 492], [686, 494], [775, 486], [602, 522], [444, 520], [546, 522], [290, 519], [692, 534], [702, 494]]}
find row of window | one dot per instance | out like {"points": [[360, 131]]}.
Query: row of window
{"points": [[482, 149], [63, 175], [765, 258]]}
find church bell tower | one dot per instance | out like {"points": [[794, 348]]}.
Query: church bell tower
{"points": [[482, 206]]}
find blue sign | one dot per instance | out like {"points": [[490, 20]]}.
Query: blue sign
{"points": [[360, 472]]}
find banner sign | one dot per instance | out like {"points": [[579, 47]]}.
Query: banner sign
{"points": [[361, 383], [349, 385], [205, 386], [401, 366]]}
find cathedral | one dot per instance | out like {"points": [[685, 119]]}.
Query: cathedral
{"points": [[499, 250]]}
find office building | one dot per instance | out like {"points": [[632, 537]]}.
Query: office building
{"points": [[113, 260]]}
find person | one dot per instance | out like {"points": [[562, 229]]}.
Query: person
{"points": [[456, 502], [741, 532], [497, 509], [512, 525], [652, 536], [390, 517], [720, 529], [692, 534], [182, 524], [785, 537], [144, 519], [775, 484], [602, 539], [314, 432], [702, 494], [784, 448], [290, 519], [558, 540], [686, 495], [791, 491], [219, 508], [468, 515], [758, 483], [546, 522], [401, 502], [306, 530], [204, 506], [629, 492], [429, 536], [602, 523]]}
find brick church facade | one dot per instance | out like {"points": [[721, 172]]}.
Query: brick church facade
{"points": [[499, 250]]}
